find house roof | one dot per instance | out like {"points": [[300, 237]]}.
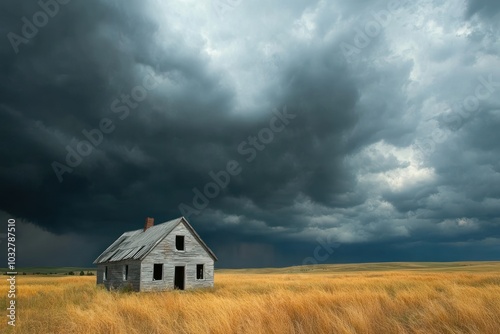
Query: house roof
{"points": [[139, 243]]}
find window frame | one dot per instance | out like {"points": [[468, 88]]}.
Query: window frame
{"points": [[202, 271], [160, 271], [125, 272], [183, 238], [105, 274]]}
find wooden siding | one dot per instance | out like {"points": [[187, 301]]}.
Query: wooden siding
{"points": [[115, 279], [166, 254]]}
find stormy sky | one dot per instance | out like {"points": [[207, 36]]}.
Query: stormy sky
{"points": [[287, 132]]}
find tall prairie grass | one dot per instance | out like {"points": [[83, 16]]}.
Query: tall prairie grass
{"points": [[252, 302]]}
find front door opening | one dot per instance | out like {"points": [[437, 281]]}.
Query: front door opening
{"points": [[179, 278]]}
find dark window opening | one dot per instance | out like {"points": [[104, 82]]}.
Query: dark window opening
{"points": [[199, 271], [105, 273], [125, 272], [179, 242], [157, 271]]}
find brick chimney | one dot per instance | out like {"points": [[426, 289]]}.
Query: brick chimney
{"points": [[149, 223]]}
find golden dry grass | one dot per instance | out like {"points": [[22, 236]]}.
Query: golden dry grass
{"points": [[271, 302]]}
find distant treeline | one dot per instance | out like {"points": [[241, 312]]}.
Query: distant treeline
{"points": [[51, 271], [82, 273]]}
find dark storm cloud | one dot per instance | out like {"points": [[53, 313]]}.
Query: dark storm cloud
{"points": [[56, 86], [351, 164]]}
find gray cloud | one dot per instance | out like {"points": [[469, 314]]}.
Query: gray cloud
{"points": [[487, 8]]}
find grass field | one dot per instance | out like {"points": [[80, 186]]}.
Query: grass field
{"points": [[355, 298]]}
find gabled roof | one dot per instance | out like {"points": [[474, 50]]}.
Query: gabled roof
{"points": [[139, 243]]}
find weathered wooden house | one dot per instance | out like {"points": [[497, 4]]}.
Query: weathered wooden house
{"points": [[170, 255]]}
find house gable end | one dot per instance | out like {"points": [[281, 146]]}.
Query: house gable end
{"points": [[197, 237]]}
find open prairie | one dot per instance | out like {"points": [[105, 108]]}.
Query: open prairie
{"points": [[354, 298]]}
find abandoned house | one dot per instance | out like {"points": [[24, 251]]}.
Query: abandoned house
{"points": [[170, 255]]}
